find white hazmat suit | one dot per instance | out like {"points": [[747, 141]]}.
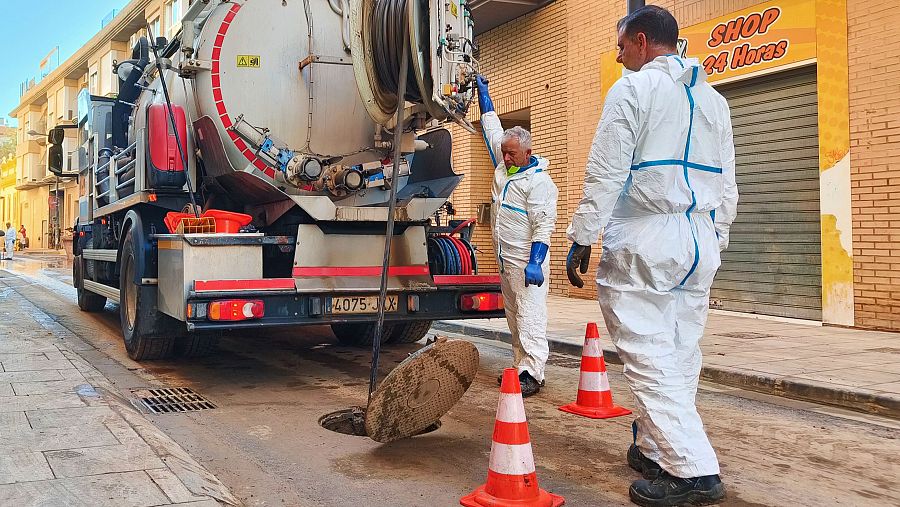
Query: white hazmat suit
{"points": [[10, 242], [523, 212], [660, 183]]}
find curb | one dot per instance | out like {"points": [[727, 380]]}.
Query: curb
{"points": [[797, 389]]}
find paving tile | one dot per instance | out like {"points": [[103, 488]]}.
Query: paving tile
{"points": [[782, 368], [173, 487], [102, 460], [25, 354], [63, 417], [209, 502], [48, 387], [110, 490], [23, 467], [852, 377], [890, 387], [38, 402], [6, 390], [887, 368], [30, 376], [51, 439], [34, 363], [12, 421]]}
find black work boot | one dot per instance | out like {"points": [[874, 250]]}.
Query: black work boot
{"points": [[530, 386], [640, 463], [667, 490]]}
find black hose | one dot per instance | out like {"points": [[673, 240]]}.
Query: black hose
{"points": [[389, 23]]}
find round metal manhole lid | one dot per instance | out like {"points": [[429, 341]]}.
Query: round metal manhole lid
{"points": [[421, 389]]}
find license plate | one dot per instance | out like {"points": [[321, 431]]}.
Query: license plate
{"points": [[361, 305]]}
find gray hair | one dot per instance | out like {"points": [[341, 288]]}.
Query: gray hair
{"points": [[519, 134]]}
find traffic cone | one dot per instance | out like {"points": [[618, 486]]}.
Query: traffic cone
{"points": [[594, 398], [511, 479]]}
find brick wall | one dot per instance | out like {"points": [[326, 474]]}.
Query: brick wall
{"points": [[874, 67], [549, 61]]}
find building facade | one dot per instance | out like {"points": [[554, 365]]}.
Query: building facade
{"points": [[816, 113], [45, 204]]}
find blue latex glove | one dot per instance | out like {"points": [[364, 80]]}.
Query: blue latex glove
{"points": [[484, 96], [534, 275]]}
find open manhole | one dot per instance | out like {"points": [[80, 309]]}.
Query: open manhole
{"points": [[172, 400], [352, 421], [414, 396]]}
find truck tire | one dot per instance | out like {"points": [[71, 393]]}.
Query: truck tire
{"points": [[148, 334], [361, 334], [197, 344], [409, 332], [87, 300]]}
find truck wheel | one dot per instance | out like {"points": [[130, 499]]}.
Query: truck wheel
{"points": [[197, 344], [148, 333], [409, 332], [87, 300], [357, 335]]}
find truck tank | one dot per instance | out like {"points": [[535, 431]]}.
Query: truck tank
{"points": [[295, 100]]}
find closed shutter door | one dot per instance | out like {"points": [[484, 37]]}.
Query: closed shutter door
{"points": [[773, 263]]}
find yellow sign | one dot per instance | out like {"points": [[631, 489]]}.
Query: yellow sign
{"points": [[454, 9], [771, 34], [248, 61]]}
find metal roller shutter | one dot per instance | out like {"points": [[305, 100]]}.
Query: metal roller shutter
{"points": [[773, 264]]}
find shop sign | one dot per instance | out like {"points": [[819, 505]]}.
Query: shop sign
{"points": [[768, 35]]}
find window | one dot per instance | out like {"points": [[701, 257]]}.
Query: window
{"points": [[92, 83], [154, 27], [175, 13]]}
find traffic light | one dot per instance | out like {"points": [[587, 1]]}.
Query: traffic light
{"points": [[55, 164]]}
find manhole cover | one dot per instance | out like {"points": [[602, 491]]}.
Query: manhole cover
{"points": [[171, 400], [421, 389], [747, 335]]}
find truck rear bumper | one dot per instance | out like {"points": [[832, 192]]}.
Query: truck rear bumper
{"points": [[284, 306]]}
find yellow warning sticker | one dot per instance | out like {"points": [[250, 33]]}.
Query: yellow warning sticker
{"points": [[454, 9], [248, 61]]}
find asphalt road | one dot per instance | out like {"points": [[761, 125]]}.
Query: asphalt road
{"points": [[264, 442]]}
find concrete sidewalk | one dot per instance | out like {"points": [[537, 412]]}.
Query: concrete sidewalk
{"points": [[69, 437], [858, 370]]}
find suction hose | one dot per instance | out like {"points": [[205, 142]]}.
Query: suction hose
{"points": [[390, 21]]}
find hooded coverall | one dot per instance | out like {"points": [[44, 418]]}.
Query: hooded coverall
{"points": [[523, 212], [660, 183]]}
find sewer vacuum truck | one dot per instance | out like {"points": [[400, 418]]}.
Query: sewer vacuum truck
{"points": [[241, 177]]}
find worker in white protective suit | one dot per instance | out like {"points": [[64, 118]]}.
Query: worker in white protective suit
{"points": [[523, 218], [9, 240], [660, 185]]}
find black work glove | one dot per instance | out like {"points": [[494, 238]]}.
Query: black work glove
{"points": [[578, 260]]}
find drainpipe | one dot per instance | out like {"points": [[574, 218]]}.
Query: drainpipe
{"points": [[634, 5]]}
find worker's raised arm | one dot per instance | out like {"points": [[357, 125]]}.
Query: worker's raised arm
{"points": [[608, 165], [727, 211], [490, 122]]}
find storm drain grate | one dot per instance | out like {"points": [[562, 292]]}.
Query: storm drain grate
{"points": [[172, 399], [745, 335]]}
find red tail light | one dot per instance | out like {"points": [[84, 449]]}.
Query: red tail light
{"points": [[236, 309], [481, 302]]}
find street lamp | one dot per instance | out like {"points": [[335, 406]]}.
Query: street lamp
{"points": [[53, 243]]}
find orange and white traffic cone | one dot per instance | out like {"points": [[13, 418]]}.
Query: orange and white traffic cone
{"points": [[511, 480], [594, 398]]}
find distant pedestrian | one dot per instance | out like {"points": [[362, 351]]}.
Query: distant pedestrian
{"points": [[23, 237], [10, 240]]}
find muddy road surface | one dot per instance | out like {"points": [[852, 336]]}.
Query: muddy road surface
{"points": [[263, 439]]}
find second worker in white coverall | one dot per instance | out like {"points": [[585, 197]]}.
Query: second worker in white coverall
{"points": [[660, 184], [523, 218]]}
